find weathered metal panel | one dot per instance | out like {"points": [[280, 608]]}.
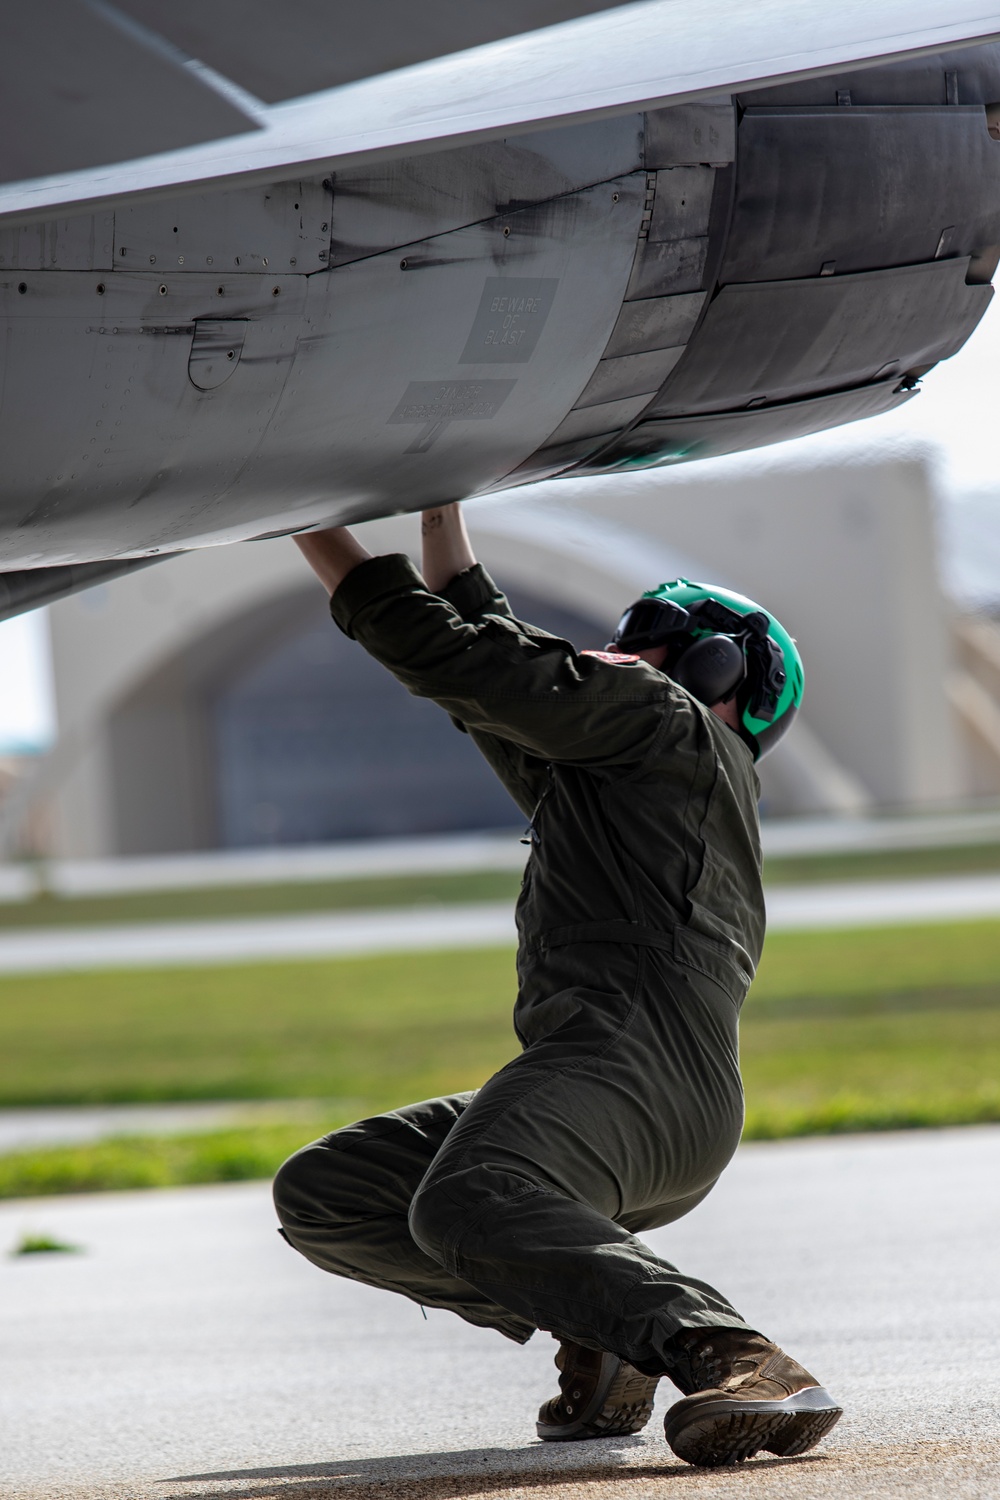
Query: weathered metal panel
{"points": [[970, 75], [593, 421], [664, 270], [383, 370], [511, 317], [858, 189], [281, 228], [772, 341], [655, 323], [216, 346], [396, 203], [357, 390], [629, 375], [616, 60], [673, 254], [683, 203], [108, 446], [83, 243], [684, 439], [689, 134]]}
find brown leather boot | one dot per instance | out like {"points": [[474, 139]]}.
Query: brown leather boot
{"points": [[744, 1395], [600, 1396]]}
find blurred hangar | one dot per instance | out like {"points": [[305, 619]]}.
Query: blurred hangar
{"points": [[263, 268], [211, 705]]}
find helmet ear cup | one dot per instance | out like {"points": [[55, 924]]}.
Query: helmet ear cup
{"points": [[712, 669]]}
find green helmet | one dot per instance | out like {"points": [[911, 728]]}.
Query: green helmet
{"points": [[721, 645]]}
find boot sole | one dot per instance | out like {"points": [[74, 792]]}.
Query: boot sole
{"points": [[622, 1403], [721, 1432]]}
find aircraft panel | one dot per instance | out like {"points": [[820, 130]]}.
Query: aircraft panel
{"points": [[404, 368], [691, 135], [824, 190], [85, 242], [669, 267], [222, 380], [962, 75], [769, 341], [594, 421], [284, 227], [426, 371], [656, 323], [629, 375], [124, 445], [650, 53], [696, 436], [400, 202]]}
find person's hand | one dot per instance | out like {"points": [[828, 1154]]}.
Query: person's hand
{"points": [[446, 548], [331, 554]]}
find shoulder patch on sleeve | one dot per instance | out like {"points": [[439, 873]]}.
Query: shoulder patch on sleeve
{"points": [[615, 658]]}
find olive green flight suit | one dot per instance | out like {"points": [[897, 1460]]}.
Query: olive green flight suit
{"points": [[640, 922]]}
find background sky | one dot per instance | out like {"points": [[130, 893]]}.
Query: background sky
{"points": [[954, 422]]}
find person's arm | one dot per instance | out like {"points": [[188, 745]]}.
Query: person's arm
{"points": [[331, 554], [445, 545], [450, 570], [501, 678]]}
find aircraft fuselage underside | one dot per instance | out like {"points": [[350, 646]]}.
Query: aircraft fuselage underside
{"points": [[645, 289]]}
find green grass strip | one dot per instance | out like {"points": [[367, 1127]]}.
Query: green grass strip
{"points": [[256, 1152], [853, 1114], [152, 1161], [868, 1030], [828, 1013]]}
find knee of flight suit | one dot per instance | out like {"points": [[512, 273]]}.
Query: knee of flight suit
{"points": [[287, 1188], [306, 1189], [430, 1217], [449, 1205]]}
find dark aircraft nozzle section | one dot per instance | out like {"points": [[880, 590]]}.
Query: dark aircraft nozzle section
{"points": [[834, 241], [30, 588]]}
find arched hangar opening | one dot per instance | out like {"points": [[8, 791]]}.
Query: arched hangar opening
{"points": [[274, 728]]}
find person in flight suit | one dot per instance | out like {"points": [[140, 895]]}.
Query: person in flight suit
{"points": [[640, 921]]}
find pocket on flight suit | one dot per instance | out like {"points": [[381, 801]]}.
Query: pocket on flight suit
{"points": [[575, 1000], [707, 956]]}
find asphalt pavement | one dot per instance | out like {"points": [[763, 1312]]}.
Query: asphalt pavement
{"points": [[185, 1351]]}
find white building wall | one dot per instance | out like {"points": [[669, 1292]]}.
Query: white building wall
{"points": [[845, 556]]}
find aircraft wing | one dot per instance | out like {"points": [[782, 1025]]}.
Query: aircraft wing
{"points": [[380, 94]]}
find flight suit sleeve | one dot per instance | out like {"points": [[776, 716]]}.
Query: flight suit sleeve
{"points": [[474, 595], [497, 676]]}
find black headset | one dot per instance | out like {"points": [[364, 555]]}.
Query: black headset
{"points": [[713, 667]]}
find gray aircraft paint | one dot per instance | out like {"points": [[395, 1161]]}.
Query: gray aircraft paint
{"points": [[650, 288]]}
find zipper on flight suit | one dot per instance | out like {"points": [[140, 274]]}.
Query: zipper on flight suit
{"points": [[531, 835]]}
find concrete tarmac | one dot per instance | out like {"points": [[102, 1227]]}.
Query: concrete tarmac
{"points": [[187, 1352]]}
